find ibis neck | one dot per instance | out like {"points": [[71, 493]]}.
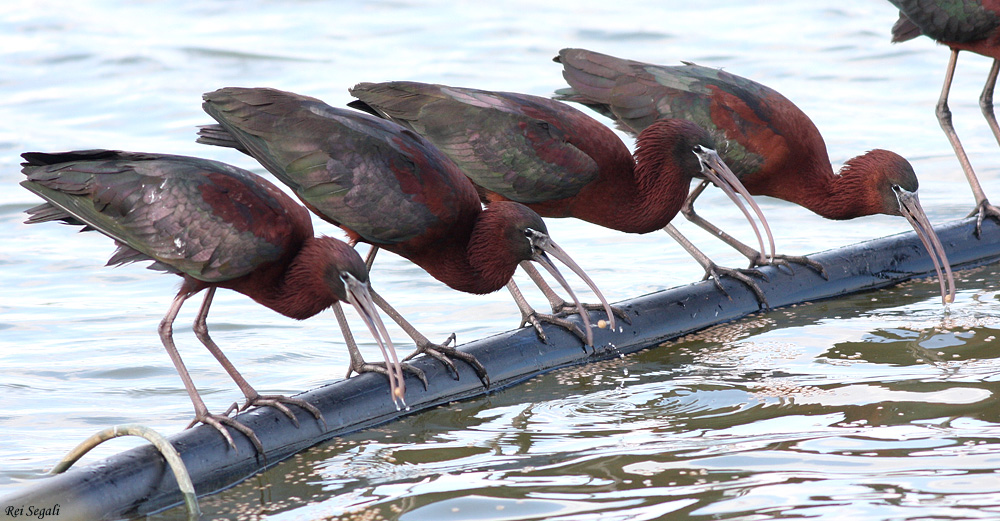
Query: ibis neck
{"points": [[845, 195], [813, 185], [296, 289], [472, 259], [639, 195], [454, 266]]}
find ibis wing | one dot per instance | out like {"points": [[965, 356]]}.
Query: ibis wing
{"points": [[745, 118], [944, 20], [358, 171], [512, 144], [190, 215]]}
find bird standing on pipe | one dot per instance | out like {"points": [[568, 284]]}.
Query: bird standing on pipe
{"points": [[387, 186], [562, 163], [772, 145], [962, 25], [216, 226]]}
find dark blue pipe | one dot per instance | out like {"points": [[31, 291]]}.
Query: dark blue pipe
{"points": [[138, 482]]}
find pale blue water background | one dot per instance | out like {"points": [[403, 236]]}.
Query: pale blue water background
{"points": [[877, 406]]}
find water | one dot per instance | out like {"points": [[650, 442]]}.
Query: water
{"points": [[876, 406]]}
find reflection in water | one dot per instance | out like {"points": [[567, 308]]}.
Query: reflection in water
{"points": [[746, 419], [873, 406]]}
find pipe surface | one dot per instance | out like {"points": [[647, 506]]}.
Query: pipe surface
{"points": [[138, 482]]}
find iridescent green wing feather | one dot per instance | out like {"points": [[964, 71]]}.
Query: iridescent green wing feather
{"points": [[944, 20], [355, 170], [511, 144], [179, 212]]}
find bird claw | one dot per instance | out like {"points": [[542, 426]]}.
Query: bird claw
{"points": [[233, 409], [278, 402], [220, 421], [443, 353], [785, 260], [379, 367], [743, 275], [778, 261], [565, 309], [983, 210], [531, 319], [537, 318]]}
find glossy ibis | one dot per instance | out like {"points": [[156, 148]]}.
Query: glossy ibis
{"points": [[216, 226], [772, 145], [962, 25], [389, 187], [561, 162]]}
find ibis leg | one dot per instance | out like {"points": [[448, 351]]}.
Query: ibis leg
{"points": [[201, 413], [370, 258], [440, 352], [253, 398], [983, 206], [714, 271], [559, 305], [358, 364], [530, 316], [750, 253]]}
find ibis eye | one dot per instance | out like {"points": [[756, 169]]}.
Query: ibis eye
{"points": [[347, 277]]}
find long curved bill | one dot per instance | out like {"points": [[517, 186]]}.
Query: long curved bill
{"points": [[543, 246], [718, 172], [909, 206], [358, 296]]}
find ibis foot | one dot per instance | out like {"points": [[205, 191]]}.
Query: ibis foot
{"points": [[535, 319], [444, 353], [743, 275], [278, 402], [785, 260], [220, 422], [380, 368], [983, 210], [565, 309]]}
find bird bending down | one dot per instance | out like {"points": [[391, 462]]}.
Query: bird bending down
{"points": [[216, 226], [388, 187], [962, 25], [772, 146], [562, 163]]}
